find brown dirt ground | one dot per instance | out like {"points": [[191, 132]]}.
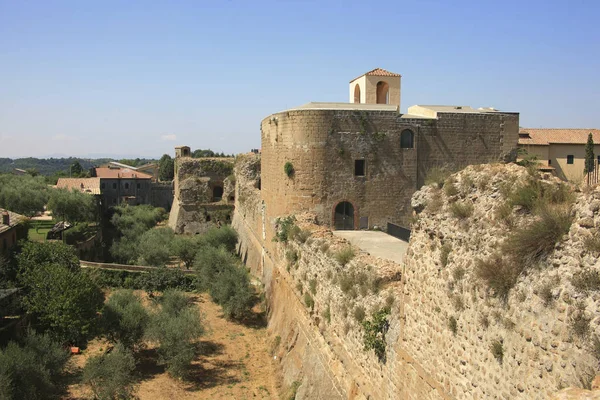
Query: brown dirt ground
{"points": [[235, 363]]}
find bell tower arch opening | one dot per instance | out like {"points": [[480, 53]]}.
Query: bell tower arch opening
{"points": [[383, 93], [357, 93]]}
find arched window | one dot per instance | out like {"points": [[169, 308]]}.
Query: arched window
{"points": [[407, 138], [217, 193], [357, 93], [383, 95], [126, 185]]}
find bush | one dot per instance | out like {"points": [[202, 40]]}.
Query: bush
{"points": [[175, 327], [359, 314], [545, 293], [450, 188], [155, 247], [233, 291], [345, 255], [124, 318], [437, 176], [531, 243], [579, 322], [288, 168], [497, 350], [445, 253], [461, 210], [37, 254], [302, 235], [453, 325], [31, 371], [210, 262], [526, 195], [285, 229], [224, 236], [308, 300], [374, 333], [163, 278], [186, 248], [586, 280], [110, 376], [498, 274], [312, 284], [504, 213]]}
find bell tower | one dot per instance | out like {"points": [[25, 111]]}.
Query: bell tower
{"points": [[376, 87]]}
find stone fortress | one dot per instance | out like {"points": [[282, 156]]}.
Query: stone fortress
{"points": [[356, 165]]}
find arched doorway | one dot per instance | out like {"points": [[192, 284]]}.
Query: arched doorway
{"points": [[357, 94], [383, 93], [343, 218], [217, 193]]}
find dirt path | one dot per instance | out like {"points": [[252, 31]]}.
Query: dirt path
{"points": [[235, 363]]}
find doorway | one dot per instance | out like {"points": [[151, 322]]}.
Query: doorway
{"points": [[344, 216]]}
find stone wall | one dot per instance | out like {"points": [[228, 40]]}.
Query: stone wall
{"points": [[195, 208], [314, 319]]}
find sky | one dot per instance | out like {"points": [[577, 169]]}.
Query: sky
{"points": [[137, 78]]}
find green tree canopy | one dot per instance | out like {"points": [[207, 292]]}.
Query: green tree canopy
{"points": [[73, 206], [23, 194], [76, 169], [64, 302], [589, 155], [166, 168], [38, 254], [125, 318]]}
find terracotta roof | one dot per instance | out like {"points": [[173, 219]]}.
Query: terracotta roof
{"points": [[120, 173], [377, 72], [14, 219], [544, 137], [84, 185]]}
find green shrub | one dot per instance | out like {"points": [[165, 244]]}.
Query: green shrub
{"points": [[531, 243], [32, 371], [327, 314], [232, 290], [461, 210], [526, 195], [292, 256], [210, 262], [155, 247], [450, 188], [285, 229], [499, 274], [545, 293], [579, 322], [445, 253], [186, 248], [312, 284], [345, 255], [291, 392], [453, 325], [497, 350], [374, 333], [288, 168], [225, 236], [124, 318], [163, 278], [302, 235], [175, 327], [458, 273], [309, 301], [586, 280], [504, 213], [111, 375]]}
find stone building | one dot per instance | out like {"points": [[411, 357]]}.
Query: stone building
{"points": [[203, 192], [357, 164], [12, 229], [561, 151]]}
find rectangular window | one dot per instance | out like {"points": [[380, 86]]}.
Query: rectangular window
{"points": [[570, 159], [549, 162], [598, 160], [114, 185], [359, 167], [139, 185], [103, 186]]}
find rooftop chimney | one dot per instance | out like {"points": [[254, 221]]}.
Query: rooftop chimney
{"points": [[5, 218]]}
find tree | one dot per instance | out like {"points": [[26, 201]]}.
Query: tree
{"points": [[186, 248], [203, 153], [154, 247], [124, 318], [33, 370], [225, 236], [175, 327], [73, 206], [166, 168], [589, 155], [23, 194], [110, 375], [64, 302], [76, 169], [38, 254]]}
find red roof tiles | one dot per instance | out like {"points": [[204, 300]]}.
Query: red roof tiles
{"points": [[378, 72], [544, 137], [120, 173]]}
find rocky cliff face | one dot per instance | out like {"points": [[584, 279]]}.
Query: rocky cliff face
{"points": [[498, 296], [499, 302]]}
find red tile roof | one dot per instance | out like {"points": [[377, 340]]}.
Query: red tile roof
{"points": [[120, 173], [84, 185], [14, 219], [377, 72], [544, 137]]}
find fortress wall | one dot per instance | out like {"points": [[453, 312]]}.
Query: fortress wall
{"points": [[323, 145]]}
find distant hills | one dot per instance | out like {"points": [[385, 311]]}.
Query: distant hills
{"points": [[52, 166]]}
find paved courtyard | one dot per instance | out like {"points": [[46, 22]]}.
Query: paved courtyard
{"points": [[378, 244]]}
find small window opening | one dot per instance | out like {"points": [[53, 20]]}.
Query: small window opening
{"points": [[407, 139], [383, 96], [357, 94], [570, 159], [217, 193], [139, 185], [126, 185], [114, 185], [549, 162], [359, 167], [103, 186]]}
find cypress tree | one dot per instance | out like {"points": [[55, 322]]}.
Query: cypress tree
{"points": [[589, 155]]}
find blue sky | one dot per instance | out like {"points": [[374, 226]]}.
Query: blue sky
{"points": [[136, 78]]}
